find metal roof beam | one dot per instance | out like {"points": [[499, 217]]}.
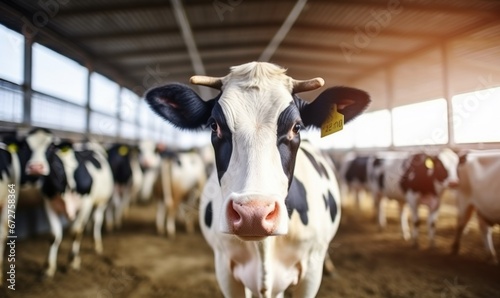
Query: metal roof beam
{"points": [[396, 59], [187, 34], [283, 31]]}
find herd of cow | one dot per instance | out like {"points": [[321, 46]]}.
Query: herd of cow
{"points": [[271, 204], [421, 179], [76, 180]]}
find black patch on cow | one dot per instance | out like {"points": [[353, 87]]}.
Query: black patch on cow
{"points": [[5, 163], [357, 170], [120, 164], [378, 162], [332, 205], [88, 156], [209, 213], [318, 166], [297, 200], [223, 144], [83, 179], [56, 182], [287, 148], [419, 178], [380, 180]]}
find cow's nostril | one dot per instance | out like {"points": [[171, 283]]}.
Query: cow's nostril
{"points": [[274, 213], [232, 213]]}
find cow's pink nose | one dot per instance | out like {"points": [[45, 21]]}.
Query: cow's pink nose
{"points": [[253, 219], [35, 169]]}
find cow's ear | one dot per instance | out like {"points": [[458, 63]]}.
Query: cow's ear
{"points": [[180, 105], [350, 102]]}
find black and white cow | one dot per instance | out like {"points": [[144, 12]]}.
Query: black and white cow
{"points": [[354, 174], [71, 182], [414, 180], [128, 178], [80, 182], [149, 162], [9, 182], [479, 191], [271, 206]]}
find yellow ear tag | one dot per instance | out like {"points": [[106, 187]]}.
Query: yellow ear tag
{"points": [[429, 163], [334, 123], [123, 150], [64, 149], [12, 148]]}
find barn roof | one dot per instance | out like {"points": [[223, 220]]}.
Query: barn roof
{"points": [[401, 51]]}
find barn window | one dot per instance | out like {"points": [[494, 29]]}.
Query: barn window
{"points": [[47, 111], [128, 105], [11, 59], [373, 130], [475, 116], [424, 123], [102, 124], [128, 130], [103, 94], [58, 76]]}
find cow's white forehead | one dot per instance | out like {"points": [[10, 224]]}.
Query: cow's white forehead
{"points": [[255, 93], [39, 140]]}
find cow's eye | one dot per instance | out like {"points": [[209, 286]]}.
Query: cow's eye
{"points": [[296, 128], [214, 126]]}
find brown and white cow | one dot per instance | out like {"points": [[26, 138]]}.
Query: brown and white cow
{"points": [[479, 191], [178, 187], [272, 205], [417, 179]]}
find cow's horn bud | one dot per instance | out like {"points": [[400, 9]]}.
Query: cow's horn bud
{"points": [[307, 85], [211, 82]]}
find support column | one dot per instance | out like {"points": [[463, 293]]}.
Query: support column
{"points": [[28, 75], [87, 103], [389, 86], [447, 93]]}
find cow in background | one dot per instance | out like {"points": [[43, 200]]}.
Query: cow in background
{"points": [[149, 161], [479, 191], [177, 189], [128, 178], [354, 175], [418, 179], [265, 183], [80, 182], [9, 183]]}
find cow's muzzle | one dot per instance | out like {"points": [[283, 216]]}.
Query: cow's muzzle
{"points": [[253, 220]]}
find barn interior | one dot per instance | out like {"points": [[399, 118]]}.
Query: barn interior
{"points": [[430, 67]]}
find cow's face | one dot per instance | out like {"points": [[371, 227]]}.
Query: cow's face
{"points": [[35, 151], [148, 155], [255, 122]]}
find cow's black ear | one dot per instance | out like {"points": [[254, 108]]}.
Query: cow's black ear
{"points": [[180, 105], [350, 102]]}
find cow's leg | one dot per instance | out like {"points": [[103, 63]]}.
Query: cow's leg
{"points": [[403, 218], [229, 286], [77, 230], [412, 200], [309, 285], [57, 232], [189, 209], [172, 207], [118, 203], [380, 210], [357, 199], [98, 219], [486, 231], [328, 267], [160, 217], [431, 223], [464, 215], [109, 216]]}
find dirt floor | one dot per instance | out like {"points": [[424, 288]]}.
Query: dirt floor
{"points": [[138, 263]]}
